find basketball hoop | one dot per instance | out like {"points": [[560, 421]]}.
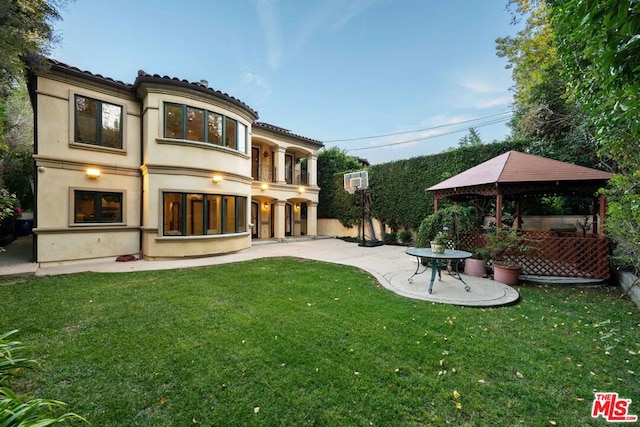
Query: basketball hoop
{"points": [[355, 181]]}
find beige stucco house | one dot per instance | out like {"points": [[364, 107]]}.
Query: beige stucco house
{"points": [[161, 168]]}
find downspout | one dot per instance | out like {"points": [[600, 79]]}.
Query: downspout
{"points": [[141, 201], [32, 88]]}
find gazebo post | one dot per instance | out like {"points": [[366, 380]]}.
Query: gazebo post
{"points": [[594, 216], [435, 203], [518, 215], [603, 209], [499, 211]]}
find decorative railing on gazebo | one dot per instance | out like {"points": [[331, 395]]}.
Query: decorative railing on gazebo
{"points": [[557, 254]]}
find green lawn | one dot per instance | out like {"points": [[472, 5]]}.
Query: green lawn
{"points": [[291, 342]]}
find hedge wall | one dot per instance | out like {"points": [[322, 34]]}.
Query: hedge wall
{"points": [[397, 188]]}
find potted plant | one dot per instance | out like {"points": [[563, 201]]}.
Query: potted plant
{"points": [[476, 265], [505, 247], [440, 240]]}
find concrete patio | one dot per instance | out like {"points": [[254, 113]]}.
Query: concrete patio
{"points": [[388, 264]]}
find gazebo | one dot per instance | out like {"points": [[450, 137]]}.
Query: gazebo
{"points": [[515, 175]]}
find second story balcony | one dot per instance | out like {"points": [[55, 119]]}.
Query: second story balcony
{"points": [[300, 178], [264, 173], [268, 173]]}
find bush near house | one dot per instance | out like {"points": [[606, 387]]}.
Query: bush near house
{"points": [[10, 210], [406, 237]]}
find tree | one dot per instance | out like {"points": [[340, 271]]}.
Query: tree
{"points": [[26, 32], [599, 44], [472, 138], [544, 113], [16, 165]]}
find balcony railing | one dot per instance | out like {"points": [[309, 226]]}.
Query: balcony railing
{"points": [[264, 173], [301, 178], [267, 173]]}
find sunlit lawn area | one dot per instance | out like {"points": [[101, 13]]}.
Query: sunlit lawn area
{"points": [[292, 343]]}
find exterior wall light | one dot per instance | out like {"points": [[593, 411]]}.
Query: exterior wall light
{"points": [[265, 205], [217, 179], [264, 186], [93, 173], [301, 189]]}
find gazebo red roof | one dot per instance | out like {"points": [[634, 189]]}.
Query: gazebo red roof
{"points": [[515, 167]]}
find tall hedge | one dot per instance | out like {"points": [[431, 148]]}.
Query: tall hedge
{"points": [[333, 163], [398, 188]]}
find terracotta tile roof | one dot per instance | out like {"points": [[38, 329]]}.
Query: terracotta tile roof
{"points": [[144, 77], [68, 69], [513, 167], [287, 132], [152, 78]]}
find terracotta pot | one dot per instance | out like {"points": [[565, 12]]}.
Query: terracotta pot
{"points": [[436, 248], [507, 275], [475, 267]]}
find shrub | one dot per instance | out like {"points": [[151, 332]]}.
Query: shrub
{"points": [[506, 245], [390, 238], [456, 218], [406, 237], [9, 205]]}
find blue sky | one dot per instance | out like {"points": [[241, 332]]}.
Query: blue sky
{"points": [[329, 70]]}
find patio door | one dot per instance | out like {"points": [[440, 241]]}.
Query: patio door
{"points": [[255, 220], [288, 220], [288, 168], [255, 163]]}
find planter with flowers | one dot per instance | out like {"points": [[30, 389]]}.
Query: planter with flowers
{"points": [[440, 240], [506, 246]]}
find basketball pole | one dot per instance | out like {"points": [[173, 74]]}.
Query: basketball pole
{"points": [[364, 239]]}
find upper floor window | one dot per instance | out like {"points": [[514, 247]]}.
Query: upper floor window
{"points": [[97, 207], [97, 122], [197, 124]]}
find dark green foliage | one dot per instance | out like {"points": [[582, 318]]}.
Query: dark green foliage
{"points": [[506, 245], [333, 199], [544, 112], [472, 138], [17, 169], [600, 50], [406, 237], [16, 144], [390, 238], [456, 218], [26, 30], [398, 188], [345, 207]]}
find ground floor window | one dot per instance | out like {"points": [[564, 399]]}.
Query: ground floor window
{"points": [[195, 214], [97, 207]]}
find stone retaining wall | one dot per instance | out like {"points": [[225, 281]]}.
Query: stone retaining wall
{"points": [[631, 285]]}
